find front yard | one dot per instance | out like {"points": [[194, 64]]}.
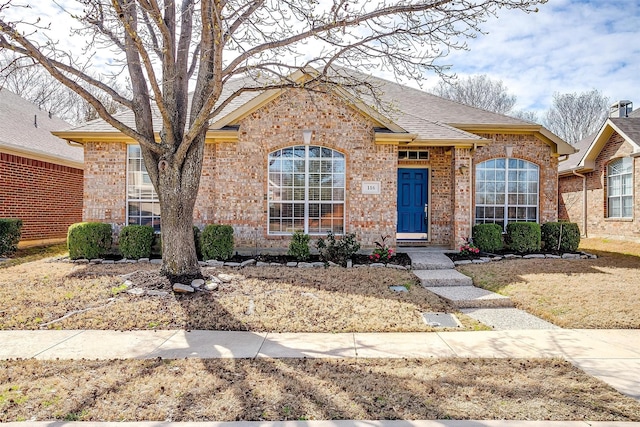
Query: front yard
{"points": [[601, 293]]}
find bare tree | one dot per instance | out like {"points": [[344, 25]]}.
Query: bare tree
{"points": [[528, 115], [163, 44], [478, 91], [574, 116], [29, 80]]}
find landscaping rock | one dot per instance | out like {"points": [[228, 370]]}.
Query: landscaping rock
{"points": [[214, 279], [156, 261], [332, 264], [136, 291], [533, 256], [292, 264], [108, 261], [248, 262], [96, 261], [181, 288], [397, 267], [463, 262], [349, 263], [154, 293], [309, 295], [479, 261], [317, 264], [262, 264], [197, 283], [211, 286], [143, 260], [81, 261], [552, 256], [398, 288], [225, 278], [202, 263], [128, 283], [512, 256], [215, 263], [232, 264], [570, 256], [305, 265]]}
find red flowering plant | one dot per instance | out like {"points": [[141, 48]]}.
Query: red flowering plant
{"points": [[382, 253], [468, 248]]}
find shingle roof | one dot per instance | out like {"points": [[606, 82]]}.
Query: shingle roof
{"points": [[574, 159], [630, 126], [428, 116], [18, 131]]}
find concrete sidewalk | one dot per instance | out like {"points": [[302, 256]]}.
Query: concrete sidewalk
{"points": [[611, 355]]}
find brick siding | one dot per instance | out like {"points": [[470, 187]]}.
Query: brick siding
{"points": [[46, 196], [598, 225]]}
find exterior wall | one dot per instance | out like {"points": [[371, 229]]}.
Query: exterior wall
{"points": [[233, 186], [105, 182], [530, 148], [597, 224], [46, 196], [462, 195]]}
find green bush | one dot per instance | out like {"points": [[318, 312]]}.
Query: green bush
{"points": [[487, 237], [10, 231], [299, 246], [89, 240], [217, 242], [524, 237], [560, 236], [135, 241], [338, 250]]}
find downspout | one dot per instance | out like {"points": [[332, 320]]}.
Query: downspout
{"points": [[584, 202]]}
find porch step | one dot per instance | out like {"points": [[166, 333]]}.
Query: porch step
{"points": [[433, 278], [424, 260], [471, 297]]}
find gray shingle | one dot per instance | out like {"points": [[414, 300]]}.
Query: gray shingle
{"points": [[18, 131]]}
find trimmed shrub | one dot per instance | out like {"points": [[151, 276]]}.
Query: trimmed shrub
{"points": [[560, 236], [299, 246], [217, 242], [487, 237], [524, 237], [135, 241], [338, 250], [89, 240], [10, 231]]}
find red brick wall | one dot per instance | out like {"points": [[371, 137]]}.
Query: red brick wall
{"points": [[46, 196]]}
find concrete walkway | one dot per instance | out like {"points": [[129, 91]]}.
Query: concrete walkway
{"points": [[611, 355]]}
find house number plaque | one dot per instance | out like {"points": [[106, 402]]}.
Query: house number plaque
{"points": [[371, 187]]}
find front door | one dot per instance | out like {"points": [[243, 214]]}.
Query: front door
{"points": [[413, 203]]}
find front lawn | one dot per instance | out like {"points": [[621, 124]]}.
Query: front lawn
{"points": [[601, 293]]}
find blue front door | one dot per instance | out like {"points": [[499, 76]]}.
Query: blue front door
{"points": [[412, 200]]}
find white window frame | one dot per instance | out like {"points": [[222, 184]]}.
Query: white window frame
{"points": [[511, 197], [147, 188], [308, 196], [618, 171]]}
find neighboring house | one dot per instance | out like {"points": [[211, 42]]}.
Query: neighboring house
{"points": [[286, 160], [40, 175], [599, 186]]}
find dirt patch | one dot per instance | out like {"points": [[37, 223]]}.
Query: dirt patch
{"points": [[275, 299], [601, 293], [294, 389]]}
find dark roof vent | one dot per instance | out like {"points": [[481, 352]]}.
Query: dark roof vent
{"points": [[621, 109]]}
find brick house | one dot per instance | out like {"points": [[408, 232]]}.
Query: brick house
{"points": [[598, 185], [41, 176], [292, 159]]}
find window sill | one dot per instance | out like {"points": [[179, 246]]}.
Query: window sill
{"points": [[618, 219]]}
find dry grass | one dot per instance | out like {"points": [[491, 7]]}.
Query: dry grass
{"points": [[276, 299], [602, 293], [294, 389]]}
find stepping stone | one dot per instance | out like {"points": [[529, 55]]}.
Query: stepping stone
{"points": [[430, 261], [507, 318], [471, 297], [432, 278]]}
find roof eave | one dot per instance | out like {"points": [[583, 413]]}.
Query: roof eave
{"points": [[35, 155]]}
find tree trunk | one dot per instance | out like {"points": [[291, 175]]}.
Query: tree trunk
{"points": [[177, 189]]}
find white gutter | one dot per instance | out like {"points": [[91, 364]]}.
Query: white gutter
{"points": [[584, 202]]}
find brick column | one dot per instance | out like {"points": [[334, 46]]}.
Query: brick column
{"points": [[462, 178]]}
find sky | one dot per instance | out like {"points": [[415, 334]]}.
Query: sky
{"points": [[567, 46]]}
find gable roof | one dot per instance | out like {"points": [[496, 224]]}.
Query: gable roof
{"points": [[414, 116], [25, 130], [591, 146]]}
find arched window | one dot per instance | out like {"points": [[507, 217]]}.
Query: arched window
{"points": [[620, 188], [506, 191], [306, 190]]}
